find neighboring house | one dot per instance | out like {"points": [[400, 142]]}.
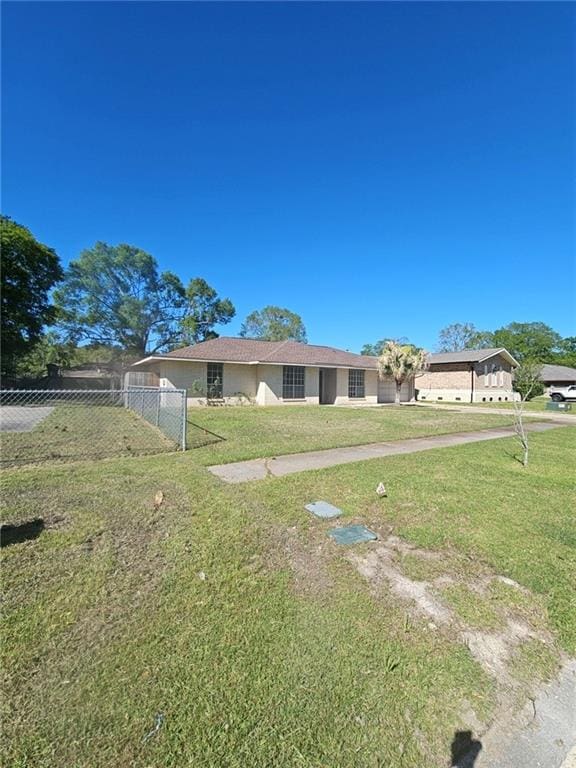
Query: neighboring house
{"points": [[471, 376], [557, 375], [85, 376], [269, 373]]}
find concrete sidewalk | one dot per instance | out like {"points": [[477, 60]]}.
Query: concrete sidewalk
{"points": [[258, 469]]}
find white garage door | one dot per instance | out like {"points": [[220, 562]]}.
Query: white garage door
{"points": [[387, 391]]}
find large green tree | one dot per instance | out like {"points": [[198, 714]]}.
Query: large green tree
{"points": [[525, 341], [567, 352], [203, 310], [115, 295], [29, 271], [528, 341], [274, 324], [374, 350]]}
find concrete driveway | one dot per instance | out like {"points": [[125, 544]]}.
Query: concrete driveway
{"points": [[18, 418]]}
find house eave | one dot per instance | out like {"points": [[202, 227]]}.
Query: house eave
{"points": [[167, 358]]}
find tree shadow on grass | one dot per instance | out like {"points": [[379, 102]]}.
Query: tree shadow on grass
{"points": [[15, 534], [513, 455], [464, 750]]}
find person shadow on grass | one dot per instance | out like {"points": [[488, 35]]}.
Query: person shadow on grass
{"points": [[465, 750]]}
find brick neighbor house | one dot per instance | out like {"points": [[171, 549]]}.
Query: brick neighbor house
{"points": [[557, 376], [470, 376]]}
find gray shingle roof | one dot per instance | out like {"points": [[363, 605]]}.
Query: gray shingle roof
{"points": [[558, 373], [233, 350], [466, 355]]}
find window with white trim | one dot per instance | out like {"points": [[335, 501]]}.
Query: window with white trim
{"points": [[293, 382], [356, 387], [486, 376]]}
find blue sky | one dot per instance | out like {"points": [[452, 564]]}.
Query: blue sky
{"points": [[383, 169]]}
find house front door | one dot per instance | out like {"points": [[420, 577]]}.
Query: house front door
{"points": [[326, 386]]}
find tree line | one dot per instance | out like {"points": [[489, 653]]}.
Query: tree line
{"points": [[533, 342], [111, 303]]}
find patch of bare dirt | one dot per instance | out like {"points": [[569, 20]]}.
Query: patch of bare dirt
{"points": [[492, 649], [380, 566], [306, 558]]}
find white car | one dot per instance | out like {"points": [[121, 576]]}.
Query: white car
{"points": [[558, 394]]}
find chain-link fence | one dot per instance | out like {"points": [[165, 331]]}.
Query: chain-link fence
{"points": [[44, 425], [163, 408]]}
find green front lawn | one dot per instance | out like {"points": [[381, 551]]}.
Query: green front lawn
{"points": [[537, 405], [76, 432], [229, 611], [251, 432]]}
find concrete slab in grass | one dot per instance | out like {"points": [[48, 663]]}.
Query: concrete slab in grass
{"points": [[352, 534], [323, 509]]}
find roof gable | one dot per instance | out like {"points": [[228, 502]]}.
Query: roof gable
{"points": [[470, 356]]}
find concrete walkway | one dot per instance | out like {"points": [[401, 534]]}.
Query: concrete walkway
{"points": [[258, 469]]}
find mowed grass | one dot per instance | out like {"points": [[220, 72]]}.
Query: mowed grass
{"points": [[73, 432], [251, 432], [476, 501], [537, 405], [228, 614]]}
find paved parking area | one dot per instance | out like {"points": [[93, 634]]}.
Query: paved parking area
{"points": [[18, 418]]}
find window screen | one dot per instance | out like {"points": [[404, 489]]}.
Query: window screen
{"points": [[355, 383], [293, 382], [214, 379]]}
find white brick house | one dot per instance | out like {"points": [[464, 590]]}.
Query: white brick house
{"points": [[270, 373]]}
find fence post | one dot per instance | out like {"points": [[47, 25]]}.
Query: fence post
{"points": [[142, 403], [184, 418], [158, 396]]}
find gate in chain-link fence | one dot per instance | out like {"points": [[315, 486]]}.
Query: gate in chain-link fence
{"points": [[45, 425]]}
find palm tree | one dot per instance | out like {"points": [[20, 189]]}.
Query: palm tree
{"points": [[403, 362]]}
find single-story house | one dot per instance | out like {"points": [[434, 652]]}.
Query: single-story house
{"points": [[471, 376], [233, 370], [557, 376]]}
